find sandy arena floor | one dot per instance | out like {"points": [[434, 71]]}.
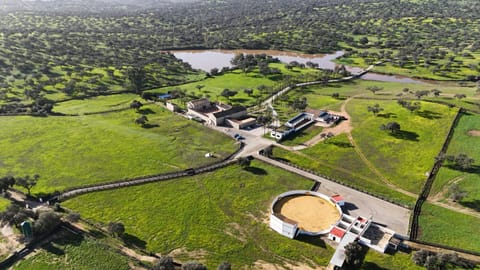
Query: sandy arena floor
{"points": [[311, 213]]}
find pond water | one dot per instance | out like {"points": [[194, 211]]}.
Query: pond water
{"points": [[208, 59]]}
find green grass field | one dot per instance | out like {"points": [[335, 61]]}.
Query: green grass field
{"points": [[96, 104], [463, 142], [338, 160], [404, 158], [214, 217], [73, 151], [302, 136], [443, 226], [377, 261], [4, 203], [75, 253]]}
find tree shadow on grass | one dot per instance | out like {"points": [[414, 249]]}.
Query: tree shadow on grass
{"points": [[148, 126], [475, 204], [405, 135], [96, 234], [387, 115], [429, 114], [239, 100], [256, 170], [341, 144], [312, 240], [282, 159], [372, 266], [132, 240], [53, 249], [146, 111], [472, 169], [63, 238]]}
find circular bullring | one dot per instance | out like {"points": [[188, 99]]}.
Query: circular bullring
{"points": [[313, 213]]}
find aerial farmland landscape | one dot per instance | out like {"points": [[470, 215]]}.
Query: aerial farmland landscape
{"points": [[239, 134]]}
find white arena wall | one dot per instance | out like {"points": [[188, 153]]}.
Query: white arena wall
{"points": [[291, 230]]}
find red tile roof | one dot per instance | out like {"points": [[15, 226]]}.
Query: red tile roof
{"points": [[337, 198], [337, 232]]}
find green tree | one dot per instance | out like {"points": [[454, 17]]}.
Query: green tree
{"points": [[457, 194], [136, 105], [353, 254], [393, 127], [164, 263], [228, 93], [374, 89], [27, 182], [363, 40], [193, 266], [46, 222], [14, 215], [116, 228], [137, 77], [244, 162], [142, 120], [6, 182], [224, 266], [375, 109]]}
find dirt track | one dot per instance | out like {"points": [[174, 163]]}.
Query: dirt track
{"points": [[311, 213]]}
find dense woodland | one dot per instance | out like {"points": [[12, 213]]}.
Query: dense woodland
{"points": [[89, 47]]}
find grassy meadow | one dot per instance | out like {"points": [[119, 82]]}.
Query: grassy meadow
{"points": [[96, 104], [443, 226], [74, 253], [337, 159], [377, 261], [4, 203], [469, 181], [213, 217], [72, 151], [405, 157]]}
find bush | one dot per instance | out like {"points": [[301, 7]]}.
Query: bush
{"points": [[46, 222], [193, 266], [164, 263]]}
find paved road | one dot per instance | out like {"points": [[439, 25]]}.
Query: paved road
{"points": [[358, 203]]}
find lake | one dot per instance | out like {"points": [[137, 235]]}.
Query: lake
{"points": [[208, 59]]}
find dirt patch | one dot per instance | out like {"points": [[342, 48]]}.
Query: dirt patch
{"points": [[9, 241], [287, 266], [198, 254], [474, 133], [311, 213]]}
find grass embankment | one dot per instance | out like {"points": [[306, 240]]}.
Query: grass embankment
{"points": [[405, 157], [73, 151], [443, 226], [75, 253], [214, 217], [465, 142]]}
